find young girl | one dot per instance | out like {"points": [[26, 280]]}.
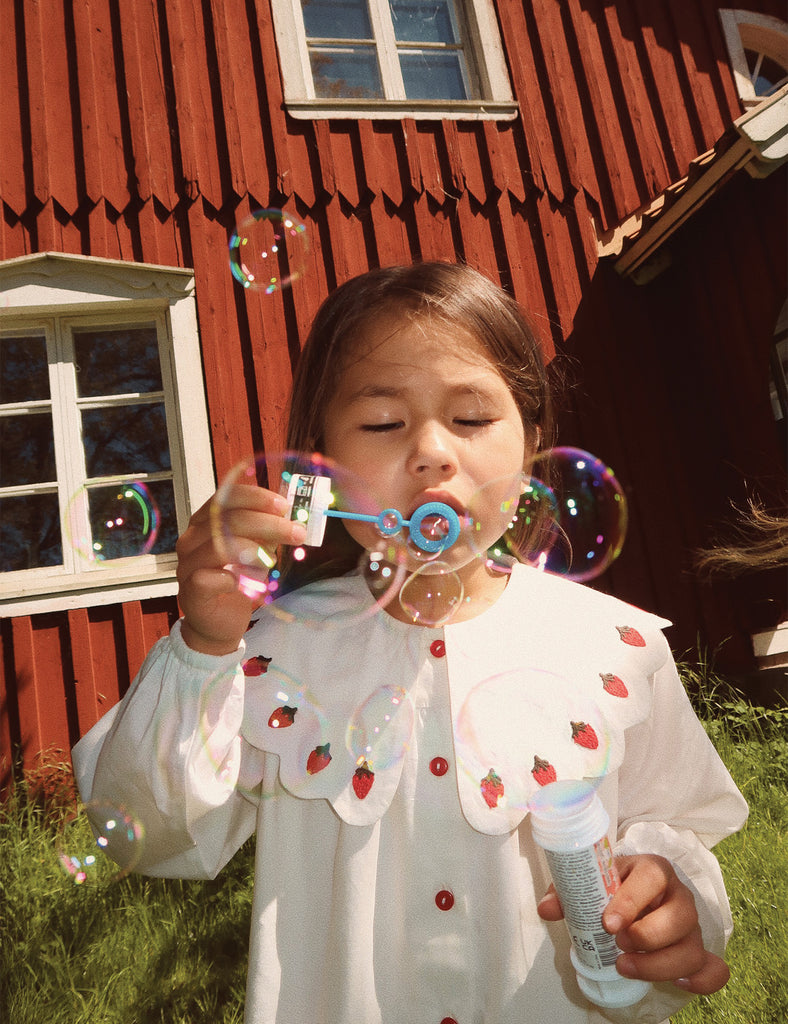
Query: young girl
{"points": [[407, 890]]}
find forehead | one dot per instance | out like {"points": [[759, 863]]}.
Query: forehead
{"points": [[397, 348]]}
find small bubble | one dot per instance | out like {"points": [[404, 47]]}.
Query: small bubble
{"points": [[103, 522], [268, 250], [99, 844]]}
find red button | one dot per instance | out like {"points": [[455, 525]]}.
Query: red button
{"points": [[448, 1020], [444, 900], [438, 649], [439, 766]]}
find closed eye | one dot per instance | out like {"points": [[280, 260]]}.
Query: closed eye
{"points": [[380, 428], [474, 423]]}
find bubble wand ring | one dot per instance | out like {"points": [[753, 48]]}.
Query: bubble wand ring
{"points": [[390, 522]]}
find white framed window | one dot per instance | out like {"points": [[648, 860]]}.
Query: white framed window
{"points": [[392, 58], [104, 441], [758, 49]]}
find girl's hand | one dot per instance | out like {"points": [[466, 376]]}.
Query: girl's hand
{"points": [[215, 612], [655, 922]]}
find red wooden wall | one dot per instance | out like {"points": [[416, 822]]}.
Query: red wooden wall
{"points": [[144, 130]]}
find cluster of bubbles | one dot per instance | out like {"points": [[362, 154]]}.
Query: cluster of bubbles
{"points": [[100, 843], [567, 516]]}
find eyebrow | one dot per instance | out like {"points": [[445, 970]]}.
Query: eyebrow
{"points": [[392, 391]]}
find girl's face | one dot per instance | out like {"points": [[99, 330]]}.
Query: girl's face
{"points": [[422, 414]]}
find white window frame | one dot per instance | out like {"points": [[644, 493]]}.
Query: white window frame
{"points": [[760, 33], [484, 56], [53, 293]]}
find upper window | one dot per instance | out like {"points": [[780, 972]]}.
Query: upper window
{"points": [[758, 48], [392, 58], [101, 457]]}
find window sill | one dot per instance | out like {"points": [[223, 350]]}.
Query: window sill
{"points": [[61, 594], [420, 110]]}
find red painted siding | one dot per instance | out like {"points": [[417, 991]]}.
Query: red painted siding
{"points": [[146, 130]]}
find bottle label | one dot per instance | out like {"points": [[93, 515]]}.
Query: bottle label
{"points": [[309, 498], [584, 881]]}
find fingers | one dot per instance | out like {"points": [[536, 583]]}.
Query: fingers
{"points": [[652, 908], [680, 959], [248, 519], [713, 976], [549, 907], [246, 529], [655, 921]]}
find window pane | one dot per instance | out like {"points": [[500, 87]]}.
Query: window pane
{"points": [[419, 22], [125, 440], [27, 450], [430, 76], [350, 72], [164, 496], [29, 532], [123, 528], [24, 375], [771, 75], [117, 362], [336, 19]]}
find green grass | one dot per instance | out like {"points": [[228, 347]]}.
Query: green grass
{"points": [[753, 743], [139, 951]]}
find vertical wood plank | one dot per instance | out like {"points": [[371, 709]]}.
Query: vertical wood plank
{"points": [[84, 665]]}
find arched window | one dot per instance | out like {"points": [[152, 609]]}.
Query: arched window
{"points": [[758, 48]]}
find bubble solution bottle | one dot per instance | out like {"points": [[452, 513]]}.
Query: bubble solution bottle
{"points": [[570, 823]]}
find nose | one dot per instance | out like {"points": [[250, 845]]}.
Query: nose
{"points": [[432, 454]]}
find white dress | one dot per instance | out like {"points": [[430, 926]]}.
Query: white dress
{"points": [[386, 770]]}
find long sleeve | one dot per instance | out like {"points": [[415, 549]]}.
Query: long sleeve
{"points": [[679, 812], [170, 753]]}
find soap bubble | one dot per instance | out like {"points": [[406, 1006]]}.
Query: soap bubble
{"points": [[105, 852], [564, 797], [432, 595], [379, 731], [529, 727], [568, 516], [284, 712], [318, 487], [112, 521], [268, 250]]}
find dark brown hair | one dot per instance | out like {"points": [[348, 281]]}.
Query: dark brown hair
{"points": [[760, 541], [454, 295]]}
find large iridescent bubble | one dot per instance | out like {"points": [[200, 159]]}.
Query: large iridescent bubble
{"points": [[567, 515]]}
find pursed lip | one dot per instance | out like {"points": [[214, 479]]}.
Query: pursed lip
{"points": [[442, 496]]}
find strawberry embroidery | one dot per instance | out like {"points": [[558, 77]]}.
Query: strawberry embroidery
{"points": [[613, 684], [282, 717], [318, 759], [543, 771], [492, 788], [584, 735], [256, 666], [363, 777], [631, 636]]}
